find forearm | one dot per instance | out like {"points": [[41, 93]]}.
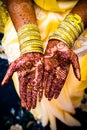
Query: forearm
{"points": [[23, 17], [21, 12], [81, 10], [73, 25]]}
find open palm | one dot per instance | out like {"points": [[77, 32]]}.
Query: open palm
{"points": [[57, 60], [30, 73]]}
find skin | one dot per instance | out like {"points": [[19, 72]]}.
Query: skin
{"points": [[29, 66], [58, 58], [52, 68]]}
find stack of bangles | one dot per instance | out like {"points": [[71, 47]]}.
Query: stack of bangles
{"points": [[69, 30], [30, 39]]}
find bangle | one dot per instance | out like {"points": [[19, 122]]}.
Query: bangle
{"points": [[31, 46], [30, 39], [69, 30], [76, 21], [29, 35], [27, 27], [65, 35]]}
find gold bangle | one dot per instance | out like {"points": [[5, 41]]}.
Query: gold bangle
{"points": [[29, 36], [31, 43], [30, 39], [27, 27], [31, 49], [69, 30], [65, 33], [76, 21], [64, 36], [56, 36], [72, 28]]}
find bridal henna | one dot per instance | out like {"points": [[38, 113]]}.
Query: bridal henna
{"points": [[29, 66], [57, 60], [59, 56], [30, 74]]}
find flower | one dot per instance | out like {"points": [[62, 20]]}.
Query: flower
{"points": [[16, 127]]}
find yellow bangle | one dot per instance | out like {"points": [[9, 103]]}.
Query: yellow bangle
{"points": [[31, 49], [31, 43], [69, 30], [76, 21], [72, 28], [27, 27], [29, 36], [68, 38], [30, 39], [56, 36]]}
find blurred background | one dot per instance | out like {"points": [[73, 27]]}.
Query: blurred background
{"points": [[15, 117]]}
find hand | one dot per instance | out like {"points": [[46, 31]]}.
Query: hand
{"points": [[57, 60], [30, 73]]}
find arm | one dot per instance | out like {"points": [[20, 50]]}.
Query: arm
{"points": [[29, 65], [21, 12], [59, 54], [81, 10]]}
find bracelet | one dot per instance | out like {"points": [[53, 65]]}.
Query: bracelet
{"points": [[32, 45], [27, 27], [65, 35], [30, 39], [76, 20], [69, 30], [29, 35]]}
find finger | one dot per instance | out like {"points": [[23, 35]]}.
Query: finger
{"points": [[8, 74], [22, 90], [59, 80], [76, 66], [51, 94], [45, 79], [48, 87], [24, 104], [34, 96], [58, 87], [40, 91], [53, 88], [40, 81], [14, 66], [29, 97]]}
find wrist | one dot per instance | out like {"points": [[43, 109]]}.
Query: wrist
{"points": [[69, 30], [29, 39]]}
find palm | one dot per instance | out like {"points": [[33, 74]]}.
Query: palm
{"points": [[30, 72], [57, 60]]}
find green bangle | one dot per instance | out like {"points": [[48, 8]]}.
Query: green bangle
{"points": [[27, 27], [69, 30], [31, 49], [65, 35], [29, 36], [31, 43], [76, 21], [30, 39]]}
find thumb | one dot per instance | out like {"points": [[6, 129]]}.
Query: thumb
{"points": [[8, 74], [76, 66]]}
